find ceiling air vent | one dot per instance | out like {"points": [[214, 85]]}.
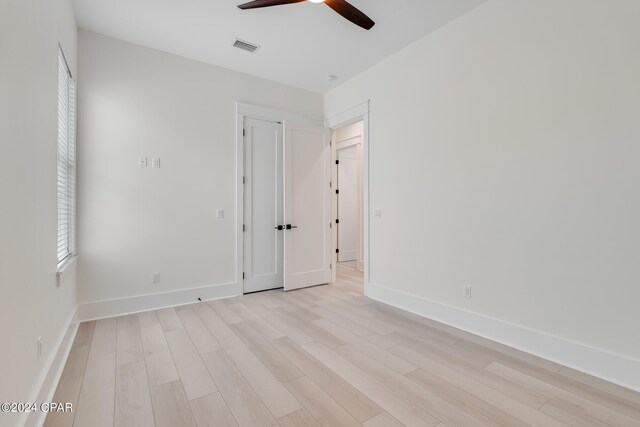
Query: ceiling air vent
{"points": [[249, 47]]}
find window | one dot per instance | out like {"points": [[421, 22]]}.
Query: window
{"points": [[66, 160]]}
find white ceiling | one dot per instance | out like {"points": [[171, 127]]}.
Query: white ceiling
{"points": [[300, 43]]}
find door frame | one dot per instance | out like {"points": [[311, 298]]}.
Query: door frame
{"points": [[264, 113], [355, 114]]}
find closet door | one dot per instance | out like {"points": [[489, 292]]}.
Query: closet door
{"points": [[307, 205], [263, 206]]}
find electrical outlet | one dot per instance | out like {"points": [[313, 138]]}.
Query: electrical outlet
{"points": [[38, 348], [155, 162], [219, 213], [142, 162], [467, 292], [155, 278], [378, 213]]}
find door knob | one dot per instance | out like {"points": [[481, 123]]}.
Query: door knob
{"points": [[279, 227]]}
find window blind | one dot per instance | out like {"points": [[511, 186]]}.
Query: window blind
{"points": [[66, 160]]}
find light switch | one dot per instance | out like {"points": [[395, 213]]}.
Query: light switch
{"points": [[378, 213], [220, 213], [142, 162], [155, 162]]}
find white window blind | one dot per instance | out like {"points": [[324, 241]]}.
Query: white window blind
{"points": [[66, 160]]}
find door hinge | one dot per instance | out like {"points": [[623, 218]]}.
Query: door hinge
{"points": [[337, 191], [244, 179], [330, 225], [330, 143], [243, 275], [337, 251], [337, 221], [244, 227], [244, 132], [337, 162], [330, 266], [330, 184]]}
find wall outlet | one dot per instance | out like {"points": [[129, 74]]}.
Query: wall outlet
{"points": [[378, 213], [142, 162], [155, 278], [220, 213], [155, 162], [38, 348], [467, 292]]}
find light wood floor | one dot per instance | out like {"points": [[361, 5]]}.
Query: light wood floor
{"points": [[324, 356]]}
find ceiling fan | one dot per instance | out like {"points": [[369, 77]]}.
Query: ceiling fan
{"points": [[344, 8]]}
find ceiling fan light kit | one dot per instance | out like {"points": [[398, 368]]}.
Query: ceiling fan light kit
{"points": [[342, 7]]}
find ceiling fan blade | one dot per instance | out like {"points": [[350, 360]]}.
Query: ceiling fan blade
{"points": [[351, 13], [266, 3]]}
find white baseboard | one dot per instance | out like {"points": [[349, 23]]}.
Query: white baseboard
{"points": [[51, 377], [600, 363], [136, 304]]}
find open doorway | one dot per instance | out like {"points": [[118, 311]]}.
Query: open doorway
{"points": [[347, 142]]}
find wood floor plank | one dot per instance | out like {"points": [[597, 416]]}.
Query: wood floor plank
{"points": [[68, 389], [299, 418], [263, 327], [378, 339], [591, 408], [383, 420], [212, 411], [222, 309], [279, 365], [271, 391], [357, 404], [245, 405], [148, 318], [133, 401], [84, 335], [198, 332], [169, 319], [218, 328], [424, 397], [474, 387], [161, 368], [467, 402], [170, 406], [326, 411], [129, 341], [194, 375], [96, 403], [104, 337], [592, 382], [462, 364], [394, 362], [571, 414], [406, 412]]}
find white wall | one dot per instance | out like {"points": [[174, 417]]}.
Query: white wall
{"points": [[521, 121], [30, 303], [135, 221]]}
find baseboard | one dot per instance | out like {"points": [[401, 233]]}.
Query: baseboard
{"points": [[600, 363], [136, 304], [360, 265], [51, 377]]}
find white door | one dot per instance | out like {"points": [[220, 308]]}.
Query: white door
{"points": [[263, 206], [348, 204], [307, 201]]}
